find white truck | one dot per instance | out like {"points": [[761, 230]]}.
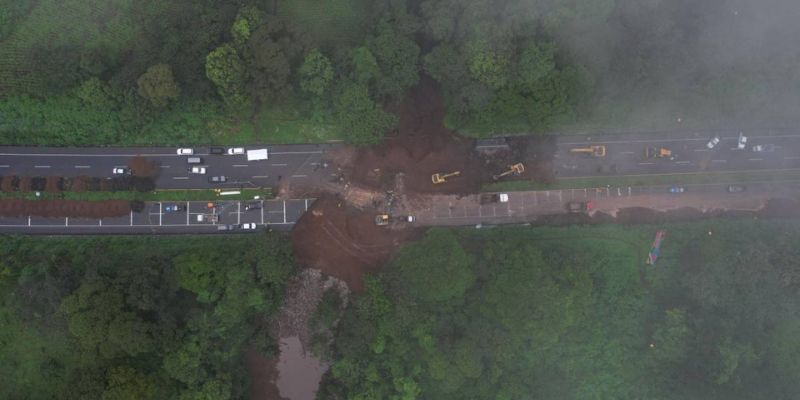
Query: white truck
{"points": [[257, 154]]}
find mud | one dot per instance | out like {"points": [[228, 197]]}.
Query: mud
{"points": [[343, 241]]}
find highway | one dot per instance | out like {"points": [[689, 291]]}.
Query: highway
{"points": [[156, 218], [291, 162], [625, 154]]}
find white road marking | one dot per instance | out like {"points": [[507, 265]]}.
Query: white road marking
{"points": [[240, 165], [719, 160], [626, 152], [683, 162], [3, 166], [755, 159], [41, 166], [295, 152], [278, 165], [791, 158], [284, 211], [83, 166], [180, 177], [700, 149], [165, 166], [647, 163], [260, 176], [299, 176]]}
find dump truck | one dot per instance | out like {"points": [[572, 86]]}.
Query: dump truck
{"points": [[439, 178], [594, 150], [579, 206], [488, 198], [657, 152]]}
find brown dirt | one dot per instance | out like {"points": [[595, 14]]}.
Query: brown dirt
{"points": [[422, 146], [7, 184], [141, 166], [24, 184], [263, 374], [343, 241], [52, 185], [64, 208]]}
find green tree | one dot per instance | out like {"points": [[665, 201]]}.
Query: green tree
{"points": [[360, 119], [97, 94], [398, 58], [365, 66], [158, 85], [268, 66], [224, 67], [436, 269], [316, 73], [125, 383]]}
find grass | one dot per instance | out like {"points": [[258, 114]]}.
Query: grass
{"points": [[285, 124], [158, 195], [647, 180]]}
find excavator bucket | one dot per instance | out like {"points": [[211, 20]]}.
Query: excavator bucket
{"points": [[442, 178]]}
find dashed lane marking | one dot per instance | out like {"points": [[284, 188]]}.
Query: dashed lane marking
{"points": [[683, 162], [83, 166], [719, 160], [647, 163], [239, 165], [278, 165], [299, 176], [41, 166], [180, 177], [260, 176], [755, 159]]}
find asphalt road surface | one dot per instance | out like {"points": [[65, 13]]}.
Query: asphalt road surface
{"points": [[625, 154], [289, 162], [528, 206], [193, 217]]}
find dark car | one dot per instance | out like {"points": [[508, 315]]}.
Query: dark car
{"points": [[217, 179], [216, 150], [736, 188]]}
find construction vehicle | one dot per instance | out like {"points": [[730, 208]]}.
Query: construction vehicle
{"points": [[657, 152], [594, 150], [516, 169], [655, 249], [385, 219], [488, 198], [576, 207], [442, 178]]}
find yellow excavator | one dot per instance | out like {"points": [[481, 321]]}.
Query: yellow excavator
{"points": [[382, 219], [594, 150], [516, 169], [442, 178]]}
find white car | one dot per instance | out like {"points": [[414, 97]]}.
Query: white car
{"points": [[233, 151], [249, 226], [713, 142], [742, 142], [120, 171], [198, 170], [185, 152]]}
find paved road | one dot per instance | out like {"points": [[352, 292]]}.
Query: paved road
{"points": [[626, 153], [289, 162], [275, 214], [528, 206]]}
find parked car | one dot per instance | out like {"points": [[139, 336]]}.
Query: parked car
{"points": [[252, 206], [121, 171], [763, 148], [249, 226], [185, 152], [232, 151], [174, 208], [216, 150], [198, 170], [742, 141], [736, 188], [217, 179], [229, 227], [677, 189], [713, 142]]}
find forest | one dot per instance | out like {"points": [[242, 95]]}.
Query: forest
{"points": [[116, 72], [136, 317], [573, 313]]}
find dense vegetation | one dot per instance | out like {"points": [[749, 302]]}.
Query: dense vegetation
{"points": [[214, 71], [136, 318], [544, 313]]}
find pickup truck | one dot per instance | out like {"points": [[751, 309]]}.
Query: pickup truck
{"points": [[579, 206], [488, 198]]}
